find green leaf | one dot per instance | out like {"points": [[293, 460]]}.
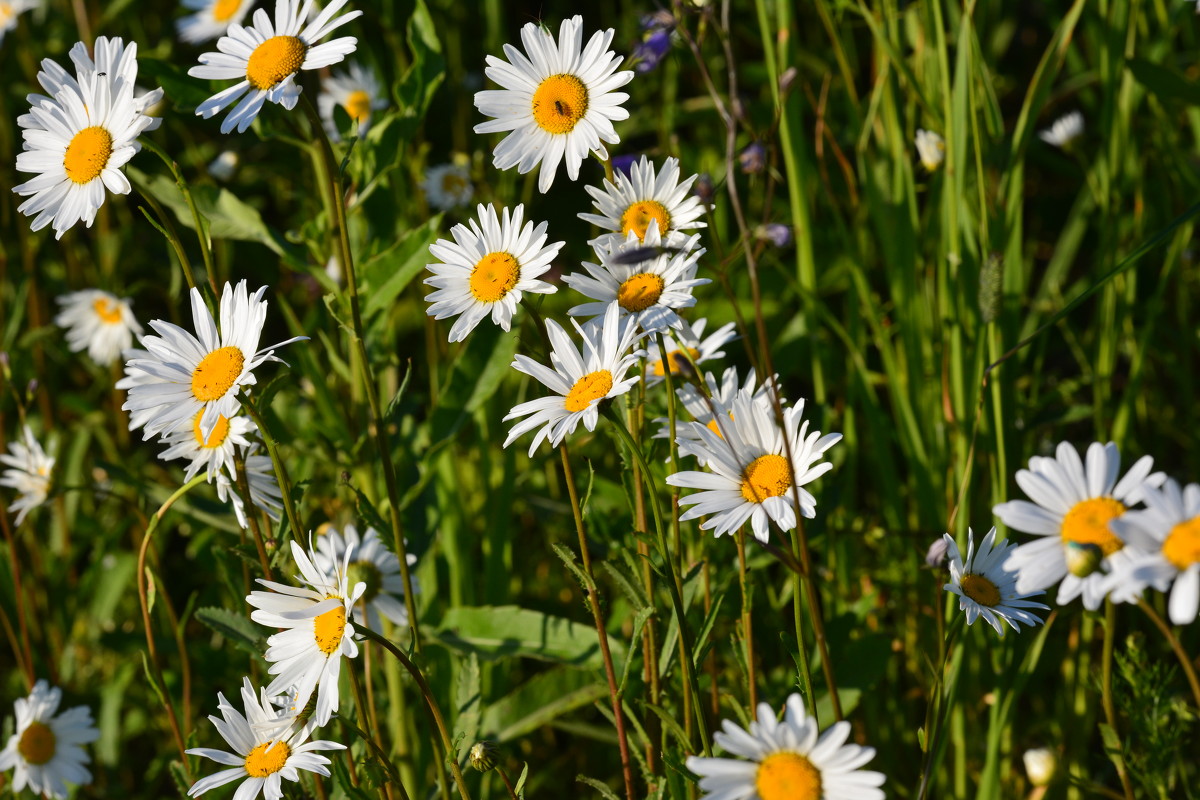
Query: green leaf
{"points": [[420, 82], [520, 787], [1164, 83], [234, 627], [539, 700], [496, 632], [468, 699], [385, 275], [606, 792]]}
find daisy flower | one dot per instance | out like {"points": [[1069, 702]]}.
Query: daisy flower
{"points": [[9, 11], [77, 141], [30, 473], [1168, 533], [641, 197], [183, 374], [1065, 130], [265, 493], [558, 100], [358, 92], [704, 410], [751, 478], [212, 18], [45, 749], [267, 56], [487, 267], [931, 148], [700, 349], [224, 165], [211, 453], [308, 654], [579, 380], [648, 289], [984, 587], [1071, 509], [374, 565], [260, 761], [448, 186], [787, 760], [101, 322]]}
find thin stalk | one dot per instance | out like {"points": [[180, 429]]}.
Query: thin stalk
{"points": [[25, 656], [243, 483], [747, 622], [201, 233], [508, 784], [598, 616], [937, 700], [676, 534], [801, 648], [370, 735], [1110, 712], [285, 485], [1184, 661]]}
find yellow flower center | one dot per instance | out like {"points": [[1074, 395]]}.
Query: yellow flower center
{"points": [[639, 215], [559, 102], [216, 438], [87, 154], [590, 387], [108, 312], [787, 776], [453, 183], [715, 426], [1182, 547], [216, 372], [358, 106], [1087, 523], [981, 590], [676, 360], [328, 629], [222, 10], [767, 476], [274, 60], [261, 762], [37, 743], [640, 292], [494, 276]]}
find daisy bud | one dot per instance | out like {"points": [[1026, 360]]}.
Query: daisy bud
{"points": [[1040, 765], [483, 756], [1083, 559], [935, 556]]}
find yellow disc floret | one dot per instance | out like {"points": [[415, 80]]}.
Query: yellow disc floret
{"points": [[559, 102], [677, 361], [216, 438], [640, 291], [274, 60], [767, 476], [328, 629], [261, 761], [108, 312], [37, 743], [494, 276], [358, 106], [88, 153], [1182, 547], [639, 215], [216, 373], [1087, 523], [223, 10], [590, 387], [981, 590], [787, 776]]}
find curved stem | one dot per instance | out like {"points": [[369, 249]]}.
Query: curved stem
{"points": [[239, 462], [281, 475], [197, 222], [1184, 661], [1110, 711], [747, 621], [25, 656]]}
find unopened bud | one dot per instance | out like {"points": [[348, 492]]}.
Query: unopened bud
{"points": [[1083, 558], [483, 756], [1040, 765], [935, 556]]}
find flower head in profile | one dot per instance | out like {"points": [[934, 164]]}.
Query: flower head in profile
{"points": [[266, 57], [358, 92], [45, 748], [985, 588], [558, 99], [212, 18], [1064, 130], [931, 148], [9, 10], [373, 565], [698, 348], [265, 494], [704, 409], [265, 748], [448, 186], [631, 203], [99, 322], [787, 759], [487, 268], [29, 473]]}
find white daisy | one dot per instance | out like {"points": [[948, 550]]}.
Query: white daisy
{"points": [[1071, 510], [212, 18], [308, 654], [640, 197], [358, 92], [700, 349], [649, 290], [267, 56], [115, 63], [751, 478], [984, 586], [77, 141], [45, 749], [101, 322], [1167, 532], [374, 565], [931, 148], [9, 11], [487, 267], [258, 760], [183, 374], [558, 100], [704, 410], [211, 453], [787, 761], [1065, 130], [448, 186], [30, 473], [579, 380], [265, 493]]}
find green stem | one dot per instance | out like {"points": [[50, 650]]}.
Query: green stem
{"points": [[938, 700], [285, 485], [1184, 660], [197, 222], [801, 648], [1110, 711], [747, 621]]}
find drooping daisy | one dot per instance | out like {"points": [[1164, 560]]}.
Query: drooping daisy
{"points": [[1167, 532], [579, 379], [448, 186], [98, 321], [211, 453], [258, 760], [985, 588], [1065, 130], [487, 267], [931, 148], [1071, 509], [705, 410], [265, 493], [267, 56], [358, 92], [45, 749], [184, 374], [751, 478], [641, 197], [30, 473], [9, 11], [700, 349], [649, 290], [374, 565], [212, 18], [308, 654], [77, 141], [787, 760], [558, 99]]}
